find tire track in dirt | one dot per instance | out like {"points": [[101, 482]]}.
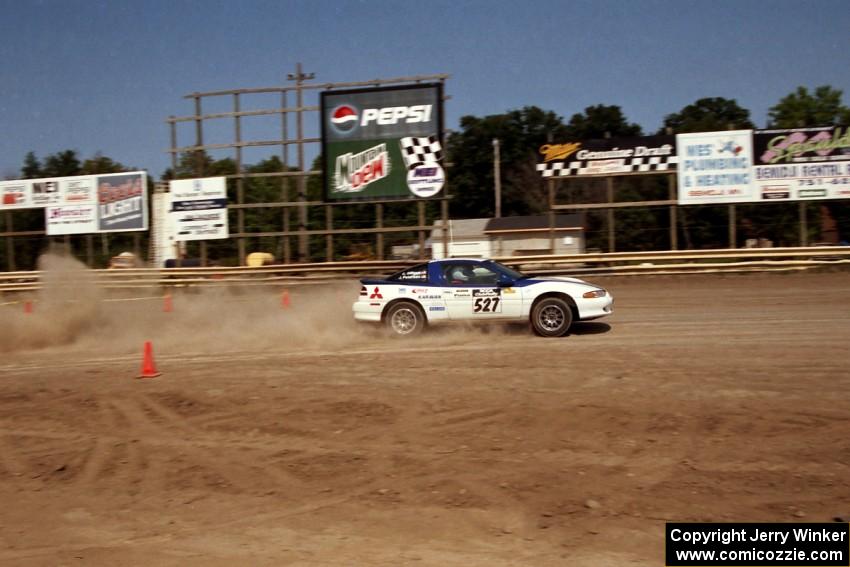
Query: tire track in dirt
{"points": [[11, 462]]}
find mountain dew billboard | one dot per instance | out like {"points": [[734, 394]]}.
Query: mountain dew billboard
{"points": [[383, 143]]}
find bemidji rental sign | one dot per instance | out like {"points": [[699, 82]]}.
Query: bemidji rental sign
{"points": [[383, 143]]}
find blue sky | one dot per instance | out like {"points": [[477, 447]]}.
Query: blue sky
{"points": [[103, 76]]}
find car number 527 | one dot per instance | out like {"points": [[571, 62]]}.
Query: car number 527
{"points": [[486, 305]]}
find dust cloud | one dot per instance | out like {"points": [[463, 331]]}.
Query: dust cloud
{"points": [[74, 312], [67, 306]]}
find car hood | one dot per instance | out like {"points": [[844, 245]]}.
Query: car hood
{"points": [[560, 279]]}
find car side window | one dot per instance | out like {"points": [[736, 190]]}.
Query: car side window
{"points": [[485, 276], [469, 274]]}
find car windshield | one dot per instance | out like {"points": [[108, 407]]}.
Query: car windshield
{"points": [[513, 274]]}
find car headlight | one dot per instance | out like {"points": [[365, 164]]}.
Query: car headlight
{"points": [[595, 293]]}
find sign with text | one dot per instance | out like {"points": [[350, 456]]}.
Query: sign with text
{"points": [[383, 143], [71, 219], [757, 544], [715, 167], [198, 209], [802, 163], [610, 156], [83, 204], [15, 194], [122, 202]]}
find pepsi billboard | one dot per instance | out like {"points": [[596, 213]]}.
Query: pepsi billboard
{"points": [[383, 143]]}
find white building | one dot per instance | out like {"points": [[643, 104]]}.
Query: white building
{"points": [[509, 236]]}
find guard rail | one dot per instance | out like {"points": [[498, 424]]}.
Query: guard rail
{"points": [[598, 264]]}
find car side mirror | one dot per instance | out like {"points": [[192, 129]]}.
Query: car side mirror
{"points": [[505, 283]]}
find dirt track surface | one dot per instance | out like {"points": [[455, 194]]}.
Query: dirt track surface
{"points": [[291, 437]]}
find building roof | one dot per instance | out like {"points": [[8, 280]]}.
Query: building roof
{"points": [[461, 228], [534, 223]]}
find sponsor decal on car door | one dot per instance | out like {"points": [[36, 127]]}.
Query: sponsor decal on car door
{"points": [[483, 303]]}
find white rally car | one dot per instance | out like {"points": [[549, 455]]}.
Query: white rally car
{"points": [[461, 289]]}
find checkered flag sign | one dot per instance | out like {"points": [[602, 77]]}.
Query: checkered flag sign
{"points": [[589, 167], [421, 151]]}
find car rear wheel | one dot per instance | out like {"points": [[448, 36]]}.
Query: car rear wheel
{"points": [[405, 319], [551, 317]]}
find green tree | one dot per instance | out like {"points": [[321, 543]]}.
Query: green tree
{"points": [[601, 121], [62, 164], [801, 108], [470, 153], [32, 167], [708, 115], [100, 163]]}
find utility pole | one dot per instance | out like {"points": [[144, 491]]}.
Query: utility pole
{"points": [[299, 77], [497, 176]]}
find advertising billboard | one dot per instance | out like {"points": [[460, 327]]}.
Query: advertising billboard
{"points": [[198, 208], [715, 167], [122, 202], [70, 219], [610, 156], [802, 163], [383, 143], [82, 204], [15, 195]]}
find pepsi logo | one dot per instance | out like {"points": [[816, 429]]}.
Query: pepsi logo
{"points": [[344, 118]]}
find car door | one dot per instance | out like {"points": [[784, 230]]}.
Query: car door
{"points": [[474, 292]]}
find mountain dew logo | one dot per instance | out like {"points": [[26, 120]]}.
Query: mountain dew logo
{"points": [[354, 172]]}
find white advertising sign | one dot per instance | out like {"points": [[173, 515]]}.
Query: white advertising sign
{"points": [[117, 201], [45, 192], [198, 209], [803, 181], [715, 167], [71, 219], [15, 195], [78, 190]]}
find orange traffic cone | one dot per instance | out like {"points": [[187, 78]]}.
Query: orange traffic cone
{"points": [[148, 365], [167, 306], [285, 302], [28, 307]]}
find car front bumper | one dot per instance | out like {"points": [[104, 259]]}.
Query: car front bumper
{"points": [[595, 308]]}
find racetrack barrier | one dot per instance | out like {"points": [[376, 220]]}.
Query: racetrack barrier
{"points": [[596, 264]]}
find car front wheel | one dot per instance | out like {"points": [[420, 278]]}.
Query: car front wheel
{"points": [[405, 319], [551, 317]]}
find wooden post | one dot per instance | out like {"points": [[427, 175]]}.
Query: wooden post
{"points": [[420, 209], [10, 244], [329, 238], [733, 238], [612, 243], [379, 238], [90, 250], [804, 225], [303, 238], [284, 181], [550, 186], [444, 216], [497, 177], [199, 161], [671, 194], [240, 182]]}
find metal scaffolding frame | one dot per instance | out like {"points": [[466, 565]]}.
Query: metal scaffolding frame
{"points": [[302, 83]]}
